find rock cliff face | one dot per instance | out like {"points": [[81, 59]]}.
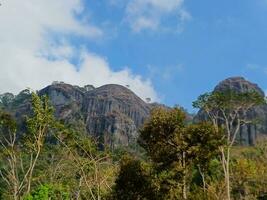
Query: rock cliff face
{"points": [[114, 109], [111, 113], [248, 134]]}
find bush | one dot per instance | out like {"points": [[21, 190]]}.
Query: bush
{"points": [[48, 192]]}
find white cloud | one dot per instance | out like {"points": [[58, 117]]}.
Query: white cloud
{"points": [[149, 14], [29, 57], [165, 74]]}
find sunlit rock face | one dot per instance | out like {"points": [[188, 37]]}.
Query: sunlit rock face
{"points": [[250, 133], [115, 113], [112, 113]]}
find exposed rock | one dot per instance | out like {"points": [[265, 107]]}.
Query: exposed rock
{"points": [[238, 84], [111, 113], [6, 99], [248, 134], [115, 113], [66, 99], [88, 88]]}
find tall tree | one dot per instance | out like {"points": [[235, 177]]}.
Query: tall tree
{"points": [[228, 110], [175, 148], [202, 143], [18, 172]]}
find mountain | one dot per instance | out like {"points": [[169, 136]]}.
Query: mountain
{"points": [[112, 113], [250, 133]]}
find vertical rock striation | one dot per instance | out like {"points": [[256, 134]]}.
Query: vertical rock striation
{"points": [[112, 113]]}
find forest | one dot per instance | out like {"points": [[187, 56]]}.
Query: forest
{"points": [[44, 158]]}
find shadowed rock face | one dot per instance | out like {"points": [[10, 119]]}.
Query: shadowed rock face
{"points": [[250, 133]]}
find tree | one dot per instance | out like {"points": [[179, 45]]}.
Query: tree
{"points": [[134, 181], [202, 143], [17, 173], [51, 192], [38, 126], [249, 171], [9, 151], [228, 110], [176, 148], [51, 154], [158, 138], [77, 164]]}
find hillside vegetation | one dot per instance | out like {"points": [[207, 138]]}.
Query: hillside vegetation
{"points": [[44, 157]]}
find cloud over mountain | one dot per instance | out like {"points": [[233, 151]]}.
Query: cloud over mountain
{"points": [[30, 56]]}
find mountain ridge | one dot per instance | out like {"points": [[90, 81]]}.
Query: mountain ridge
{"points": [[112, 113]]}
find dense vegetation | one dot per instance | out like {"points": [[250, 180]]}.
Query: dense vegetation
{"points": [[50, 160], [176, 159]]}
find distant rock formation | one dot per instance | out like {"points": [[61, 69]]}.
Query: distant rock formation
{"points": [[115, 110], [111, 113], [238, 84], [250, 133]]}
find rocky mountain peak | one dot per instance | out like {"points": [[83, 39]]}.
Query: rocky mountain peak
{"points": [[62, 93], [112, 113], [115, 113], [238, 84], [114, 90]]}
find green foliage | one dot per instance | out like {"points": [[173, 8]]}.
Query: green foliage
{"points": [[134, 181], [50, 152], [176, 149], [228, 100], [186, 158], [228, 110], [202, 142], [7, 124], [48, 192], [249, 171], [160, 137], [159, 133], [43, 117]]}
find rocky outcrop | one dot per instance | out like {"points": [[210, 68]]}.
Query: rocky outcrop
{"points": [[238, 84], [250, 133], [114, 113], [66, 99], [111, 113]]}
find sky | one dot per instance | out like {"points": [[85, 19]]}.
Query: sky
{"points": [[168, 50]]}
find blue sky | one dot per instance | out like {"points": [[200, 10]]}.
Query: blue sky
{"points": [[222, 39], [174, 49]]}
